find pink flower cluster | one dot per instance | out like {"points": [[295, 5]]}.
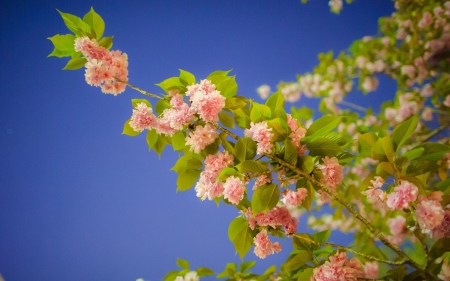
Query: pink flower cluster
{"points": [[339, 268], [375, 195], [208, 186], [403, 194], [429, 214], [294, 198], [297, 134], [278, 216], [262, 180], [263, 245], [398, 229], [201, 137], [262, 135], [234, 190], [206, 100], [442, 230], [103, 66], [171, 121], [371, 270], [291, 92], [333, 174]]}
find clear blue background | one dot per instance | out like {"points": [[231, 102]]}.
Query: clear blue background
{"points": [[80, 201]]}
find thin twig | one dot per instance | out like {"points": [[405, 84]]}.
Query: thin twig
{"points": [[234, 136], [140, 90], [352, 105], [435, 133]]}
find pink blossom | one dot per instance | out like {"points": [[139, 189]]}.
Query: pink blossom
{"points": [[208, 186], [427, 91], [206, 100], [429, 214], [142, 118], [403, 194], [427, 114], [103, 67], [179, 115], [262, 135], [408, 70], [426, 20], [375, 195], [291, 92], [442, 230], [201, 137], [397, 229], [261, 180], [294, 198], [370, 84], [278, 216], [234, 190], [371, 270], [447, 101], [263, 91], [263, 245], [333, 173], [336, 5], [445, 271], [339, 269], [297, 133]]}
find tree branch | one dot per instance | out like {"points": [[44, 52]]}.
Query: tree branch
{"points": [[139, 89], [369, 257]]}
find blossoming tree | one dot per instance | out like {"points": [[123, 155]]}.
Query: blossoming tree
{"points": [[385, 175]]}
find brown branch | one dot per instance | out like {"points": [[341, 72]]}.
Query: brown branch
{"points": [[139, 89], [339, 247]]}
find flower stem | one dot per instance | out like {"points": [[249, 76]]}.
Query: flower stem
{"points": [[139, 89]]}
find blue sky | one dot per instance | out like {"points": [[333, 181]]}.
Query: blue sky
{"points": [[80, 201]]}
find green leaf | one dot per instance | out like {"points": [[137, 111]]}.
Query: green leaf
{"points": [[170, 84], [239, 234], [323, 125], [171, 275], [305, 274], [226, 120], [250, 166], [230, 269], [298, 260], [305, 163], [322, 236], [187, 179], [382, 149], [444, 186], [433, 151], [275, 102], [242, 117], [160, 144], [265, 198], [226, 172], [323, 147], [302, 244], [247, 265], [184, 264], [63, 43], [74, 64], [151, 138], [106, 42], [96, 22], [218, 73], [60, 54], [179, 141], [290, 152], [385, 169], [226, 144], [127, 130], [161, 105], [280, 129], [186, 77], [135, 102], [366, 142], [245, 149], [307, 202], [413, 154], [404, 131], [204, 271], [304, 113], [235, 102], [186, 162], [260, 112], [236, 226], [75, 24]]}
